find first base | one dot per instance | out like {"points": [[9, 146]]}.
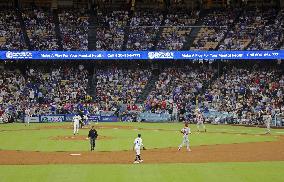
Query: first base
{"points": [[75, 154]]}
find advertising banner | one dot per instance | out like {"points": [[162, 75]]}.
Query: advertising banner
{"points": [[109, 119], [52, 118], [141, 55], [34, 119]]}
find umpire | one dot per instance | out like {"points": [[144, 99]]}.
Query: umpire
{"points": [[93, 134]]}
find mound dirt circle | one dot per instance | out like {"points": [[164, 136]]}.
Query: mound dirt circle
{"points": [[79, 138], [244, 152]]}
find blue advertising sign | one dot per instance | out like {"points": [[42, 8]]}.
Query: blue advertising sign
{"points": [[94, 117], [139, 55], [52, 118], [109, 119]]}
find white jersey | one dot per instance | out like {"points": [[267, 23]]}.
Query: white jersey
{"points": [[267, 119], [138, 143], [186, 131], [28, 112], [199, 119], [76, 120], [85, 117]]}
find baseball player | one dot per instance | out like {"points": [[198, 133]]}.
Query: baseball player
{"points": [[137, 146], [267, 120], [185, 131], [86, 120], [27, 116], [76, 124], [200, 120]]}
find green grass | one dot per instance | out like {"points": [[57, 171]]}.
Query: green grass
{"points": [[12, 138], [219, 172]]}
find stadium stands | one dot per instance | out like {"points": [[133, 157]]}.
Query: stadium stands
{"points": [[248, 94], [144, 26], [11, 35], [217, 23], [111, 31], [175, 31], [223, 29], [40, 29], [44, 90], [118, 85], [74, 29]]}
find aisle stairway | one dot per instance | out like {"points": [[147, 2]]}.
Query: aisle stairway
{"points": [[57, 29], [161, 28], [149, 86], [92, 34], [24, 30], [194, 32], [126, 32], [92, 82]]}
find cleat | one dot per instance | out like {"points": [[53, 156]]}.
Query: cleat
{"points": [[141, 161], [136, 162]]}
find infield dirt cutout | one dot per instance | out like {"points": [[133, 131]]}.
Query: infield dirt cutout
{"points": [[243, 152]]}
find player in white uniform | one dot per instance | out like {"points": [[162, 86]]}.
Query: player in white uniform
{"points": [[27, 116], [86, 121], [137, 147], [200, 119], [185, 131], [267, 120], [76, 124]]}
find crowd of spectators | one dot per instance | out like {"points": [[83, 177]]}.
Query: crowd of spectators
{"points": [[248, 94], [11, 35], [144, 26], [272, 34], [74, 27], [111, 30], [177, 89], [216, 25], [250, 24], [56, 90], [40, 29], [118, 85], [176, 30], [225, 29]]}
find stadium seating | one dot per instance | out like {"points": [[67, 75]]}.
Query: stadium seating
{"points": [[218, 23], [175, 31], [74, 29], [118, 85], [144, 26], [40, 29], [11, 35], [111, 31]]}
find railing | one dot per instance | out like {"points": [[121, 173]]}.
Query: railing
{"points": [[278, 120]]}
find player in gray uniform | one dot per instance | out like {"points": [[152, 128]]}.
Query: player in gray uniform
{"points": [[200, 121], [267, 118], [185, 142]]}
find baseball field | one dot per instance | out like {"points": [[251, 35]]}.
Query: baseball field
{"points": [[50, 152]]}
